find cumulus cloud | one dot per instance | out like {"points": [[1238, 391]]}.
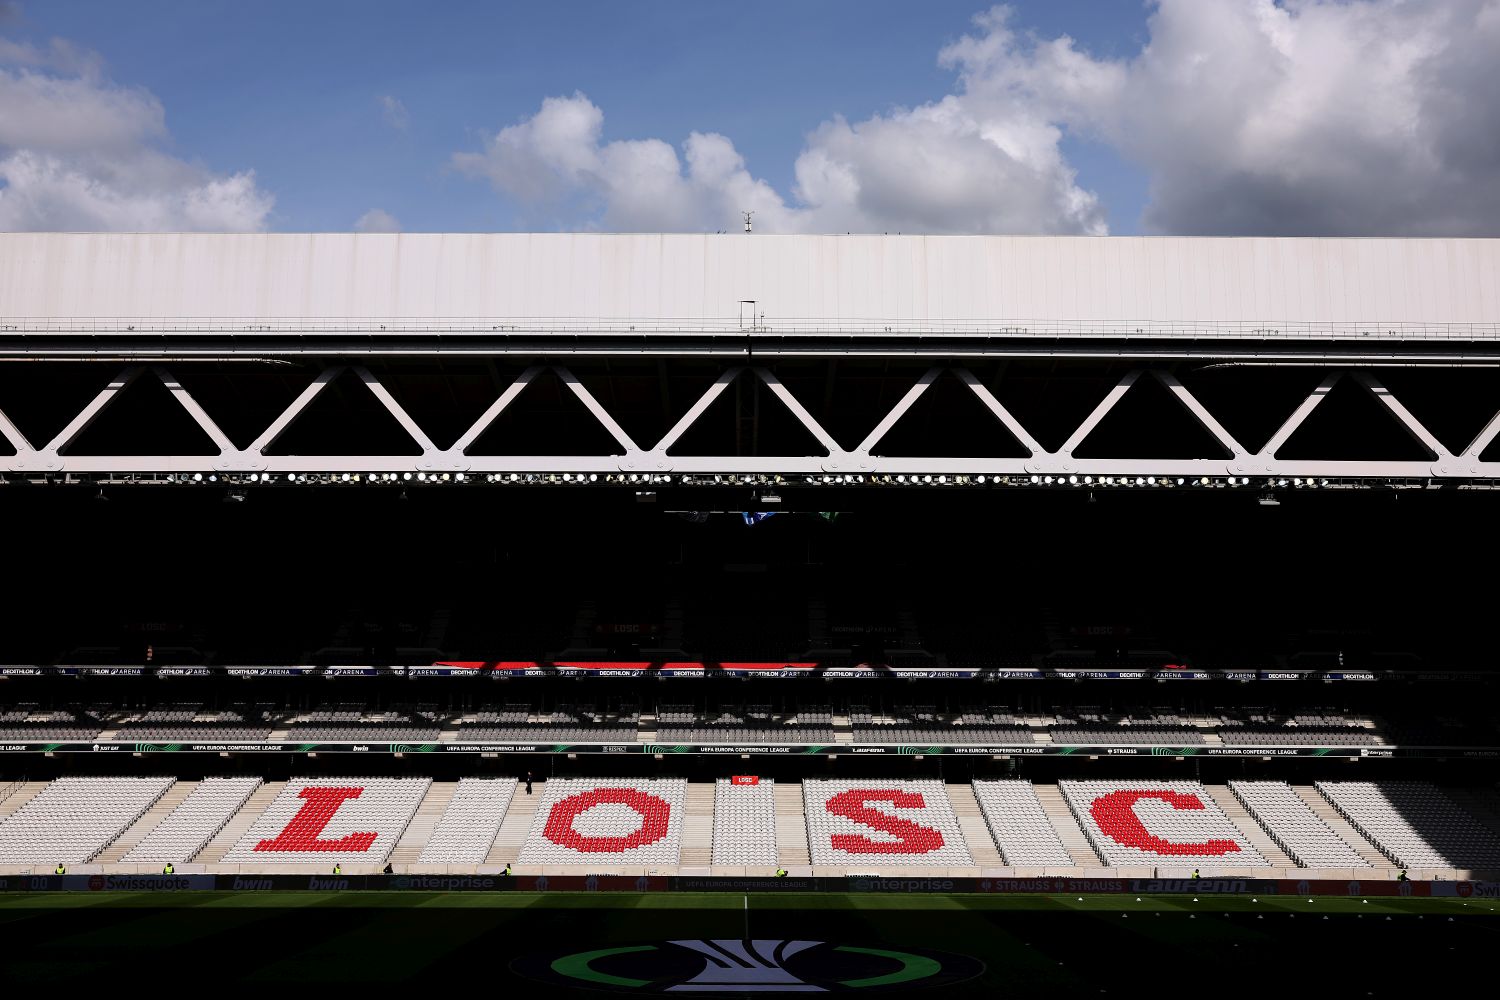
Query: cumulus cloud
{"points": [[935, 168], [1338, 117], [377, 220], [1345, 117], [394, 111], [78, 152]]}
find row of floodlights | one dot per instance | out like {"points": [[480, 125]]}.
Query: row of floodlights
{"points": [[322, 477], [1169, 481], [733, 480]]}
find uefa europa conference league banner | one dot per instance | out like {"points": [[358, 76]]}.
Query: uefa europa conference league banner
{"points": [[683, 883], [765, 749]]}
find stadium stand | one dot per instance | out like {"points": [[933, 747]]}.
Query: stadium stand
{"points": [[1152, 822], [929, 724], [565, 724], [749, 724], [73, 819], [1161, 729], [589, 821], [1294, 827], [744, 823], [859, 720], [356, 723], [190, 723], [1019, 825], [1325, 727], [184, 832], [321, 820], [28, 723], [1414, 823], [468, 826], [854, 822]]}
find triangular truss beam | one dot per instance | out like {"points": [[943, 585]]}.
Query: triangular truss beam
{"points": [[865, 458]]}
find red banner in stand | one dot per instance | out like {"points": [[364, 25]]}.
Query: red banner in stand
{"points": [[744, 779]]}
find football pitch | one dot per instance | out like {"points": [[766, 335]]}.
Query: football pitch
{"points": [[730, 943]]}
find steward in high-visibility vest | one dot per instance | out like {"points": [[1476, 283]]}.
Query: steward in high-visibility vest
{"points": [[338, 869], [169, 870], [61, 869]]}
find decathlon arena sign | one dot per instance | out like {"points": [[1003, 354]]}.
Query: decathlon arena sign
{"points": [[763, 965]]}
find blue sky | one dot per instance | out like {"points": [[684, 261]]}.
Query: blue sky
{"points": [[293, 92]]}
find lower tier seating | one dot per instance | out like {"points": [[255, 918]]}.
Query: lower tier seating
{"points": [[468, 826], [73, 819], [1294, 827], [328, 820], [582, 821], [1414, 823], [185, 830], [854, 822], [744, 823], [1157, 822], [1019, 824]]}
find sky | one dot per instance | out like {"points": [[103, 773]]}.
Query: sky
{"points": [[1193, 117]]}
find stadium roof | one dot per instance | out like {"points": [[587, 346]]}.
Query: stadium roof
{"points": [[1095, 286]]}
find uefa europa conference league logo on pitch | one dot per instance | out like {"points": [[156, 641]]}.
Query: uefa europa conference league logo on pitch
{"points": [[771, 965]]}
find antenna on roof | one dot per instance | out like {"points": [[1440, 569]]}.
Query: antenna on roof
{"points": [[747, 216]]}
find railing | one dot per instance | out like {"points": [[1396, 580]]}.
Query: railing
{"points": [[779, 326]]}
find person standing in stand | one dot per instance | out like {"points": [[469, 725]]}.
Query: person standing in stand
{"points": [[528, 782]]}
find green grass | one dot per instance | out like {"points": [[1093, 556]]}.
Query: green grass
{"points": [[1063, 944]]}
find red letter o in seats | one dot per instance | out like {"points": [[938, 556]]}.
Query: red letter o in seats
{"points": [[654, 813], [1115, 814]]}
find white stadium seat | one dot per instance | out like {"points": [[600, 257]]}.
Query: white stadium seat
{"points": [[1414, 823], [1019, 825], [185, 830], [744, 823], [467, 828], [73, 819], [1294, 827]]}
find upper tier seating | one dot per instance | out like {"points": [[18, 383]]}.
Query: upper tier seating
{"points": [[468, 826], [1294, 827], [855, 823], [187, 828], [31, 724], [745, 735], [1020, 825], [1325, 728], [1157, 822], [1160, 729], [328, 820], [583, 821], [73, 819], [942, 734], [744, 823], [1414, 824]]}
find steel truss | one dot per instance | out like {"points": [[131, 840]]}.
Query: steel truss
{"points": [[656, 458]]}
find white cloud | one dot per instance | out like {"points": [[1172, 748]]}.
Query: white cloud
{"points": [[377, 220], [1247, 116], [395, 112], [934, 168], [1342, 117], [78, 152]]}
